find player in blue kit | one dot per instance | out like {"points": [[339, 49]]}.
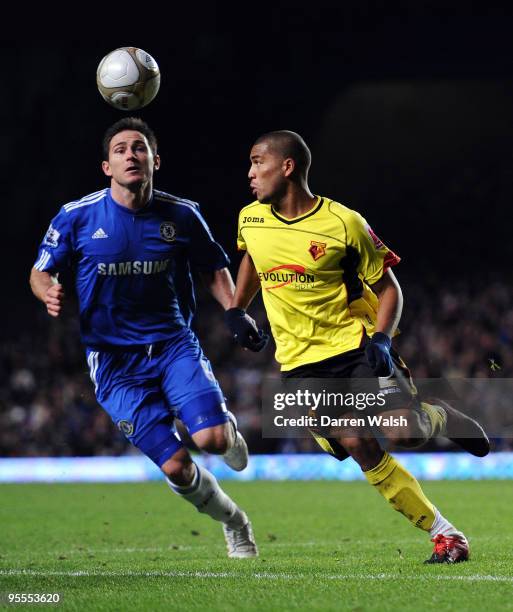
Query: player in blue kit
{"points": [[132, 249]]}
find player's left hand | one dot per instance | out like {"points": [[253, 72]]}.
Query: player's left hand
{"points": [[378, 354], [245, 330]]}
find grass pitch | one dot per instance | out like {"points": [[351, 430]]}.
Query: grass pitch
{"points": [[323, 546]]}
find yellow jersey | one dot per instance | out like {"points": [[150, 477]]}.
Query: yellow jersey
{"points": [[315, 271]]}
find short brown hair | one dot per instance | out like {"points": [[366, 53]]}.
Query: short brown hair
{"points": [[129, 123]]}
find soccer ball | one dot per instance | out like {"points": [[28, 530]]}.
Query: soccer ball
{"points": [[128, 78]]}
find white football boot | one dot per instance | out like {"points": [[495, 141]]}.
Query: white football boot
{"points": [[240, 542], [237, 456]]}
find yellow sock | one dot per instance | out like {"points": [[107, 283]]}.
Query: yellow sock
{"points": [[403, 491], [437, 417]]}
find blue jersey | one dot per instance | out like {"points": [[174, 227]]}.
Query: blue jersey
{"points": [[132, 268]]}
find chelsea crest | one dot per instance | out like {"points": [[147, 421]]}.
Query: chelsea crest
{"points": [[168, 231]]}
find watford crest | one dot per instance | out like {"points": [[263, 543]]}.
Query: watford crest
{"points": [[317, 249]]}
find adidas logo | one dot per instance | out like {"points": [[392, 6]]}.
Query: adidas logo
{"points": [[99, 233]]}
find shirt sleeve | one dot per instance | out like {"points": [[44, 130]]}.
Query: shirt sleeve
{"points": [[241, 243], [204, 252], [55, 250], [375, 258]]}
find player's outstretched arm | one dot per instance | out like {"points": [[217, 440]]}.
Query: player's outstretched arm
{"points": [[242, 326], [48, 291], [390, 305], [220, 284]]}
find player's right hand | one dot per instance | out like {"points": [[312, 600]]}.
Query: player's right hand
{"points": [[53, 299], [245, 330]]}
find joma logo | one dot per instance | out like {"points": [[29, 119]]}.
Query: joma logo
{"points": [[253, 220]]}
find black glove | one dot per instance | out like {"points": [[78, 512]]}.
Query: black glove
{"points": [[378, 354], [244, 330]]}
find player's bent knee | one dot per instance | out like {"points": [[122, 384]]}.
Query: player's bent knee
{"points": [[366, 452], [405, 441], [179, 468], [216, 440], [407, 438]]}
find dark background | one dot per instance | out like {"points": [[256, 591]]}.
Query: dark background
{"points": [[408, 111], [409, 115]]}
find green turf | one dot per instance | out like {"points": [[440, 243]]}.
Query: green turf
{"points": [[323, 546]]}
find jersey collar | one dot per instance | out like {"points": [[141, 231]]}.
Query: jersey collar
{"points": [[129, 211], [301, 217]]}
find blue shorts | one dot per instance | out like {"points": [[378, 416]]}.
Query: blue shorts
{"points": [[143, 389]]}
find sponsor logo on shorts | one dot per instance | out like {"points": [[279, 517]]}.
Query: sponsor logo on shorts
{"points": [[388, 384], [127, 427], [168, 231]]}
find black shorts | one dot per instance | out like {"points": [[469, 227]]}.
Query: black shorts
{"points": [[352, 366], [398, 389]]}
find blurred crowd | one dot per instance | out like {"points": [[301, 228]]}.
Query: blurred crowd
{"points": [[47, 403]]}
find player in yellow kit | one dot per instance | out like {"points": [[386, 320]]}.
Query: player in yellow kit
{"points": [[334, 304]]}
